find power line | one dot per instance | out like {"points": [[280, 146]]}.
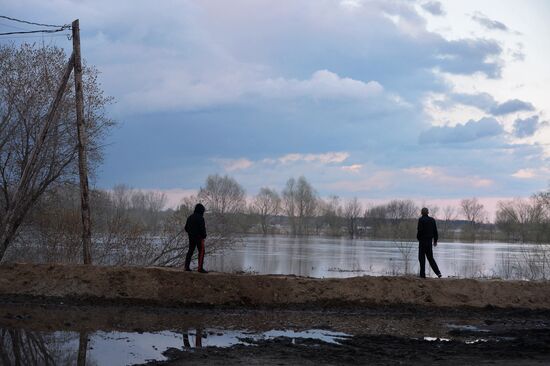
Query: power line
{"points": [[36, 31], [41, 36], [32, 23]]}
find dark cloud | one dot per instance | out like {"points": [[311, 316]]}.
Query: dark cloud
{"points": [[489, 23], [526, 127], [511, 106], [486, 102], [434, 8], [518, 54], [483, 101], [468, 56], [470, 131]]}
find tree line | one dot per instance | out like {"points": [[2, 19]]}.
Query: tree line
{"points": [[132, 226], [299, 210]]}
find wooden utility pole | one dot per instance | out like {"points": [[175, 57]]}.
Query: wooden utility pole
{"points": [[82, 159]]}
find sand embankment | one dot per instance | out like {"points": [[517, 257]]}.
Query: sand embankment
{"points": [[172, 287]]}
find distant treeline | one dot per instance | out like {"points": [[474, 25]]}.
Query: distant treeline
{"points": [[123, 214]]}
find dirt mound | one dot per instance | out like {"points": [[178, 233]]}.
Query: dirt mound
{"points": [[173, 287]]}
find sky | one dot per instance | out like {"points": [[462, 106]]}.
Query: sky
{"points": [[430, 100]]}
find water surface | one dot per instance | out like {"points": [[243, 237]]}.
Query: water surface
{"points": [[340, 257], [130, 348]]}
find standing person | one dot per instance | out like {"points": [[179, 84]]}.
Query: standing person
{"points": [[196, 230], [427, 231]]}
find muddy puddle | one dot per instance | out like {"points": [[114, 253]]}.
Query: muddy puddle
{"points": [[133, 348], [34, 334]]}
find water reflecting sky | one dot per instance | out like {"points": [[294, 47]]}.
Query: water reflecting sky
{"points": [[341, 257], [20, 346]]}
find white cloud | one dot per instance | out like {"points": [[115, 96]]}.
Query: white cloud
{"points": [[438, 175], [231, 165], [354, 168], [377, 181], [351, 4], [424, 171], [178, 88], [525, 174], [326, 158], [323, 84], [529, 173], [174, 196]]}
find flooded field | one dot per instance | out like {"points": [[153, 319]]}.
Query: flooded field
{"points": [[339, 257]]}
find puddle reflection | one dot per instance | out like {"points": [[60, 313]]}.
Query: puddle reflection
{"points": [[21, 347]]}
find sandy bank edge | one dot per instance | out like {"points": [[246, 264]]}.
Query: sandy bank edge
{"points": [[173, 287]]}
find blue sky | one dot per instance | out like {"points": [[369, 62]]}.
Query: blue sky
{"points": [[377, 99]]}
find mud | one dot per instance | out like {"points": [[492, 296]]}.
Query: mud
{"points": [[399, 320], [527, 348], [411, 335]]}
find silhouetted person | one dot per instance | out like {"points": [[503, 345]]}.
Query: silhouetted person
{"points": [[427, 232], [196, 230]]}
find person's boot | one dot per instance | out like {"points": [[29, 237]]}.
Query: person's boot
{"points": [[439, 275], [202, 270], [187, 269]]}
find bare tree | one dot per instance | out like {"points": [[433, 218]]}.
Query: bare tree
{"points": [[289, 203], [521, 219], [222, 195], [352, 212], [396, 221], [375, 219], [300, 200], [224, 199], [307, 202], [20, 347], [267, 203], [330, 215], [474, 213], [402, 215], [543, 199], [434, 211], [449, 215], [34, 155]]}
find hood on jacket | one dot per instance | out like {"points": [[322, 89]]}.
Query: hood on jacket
{"points": [[199, 209]]}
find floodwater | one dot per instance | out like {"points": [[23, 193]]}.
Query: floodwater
{"points": [[60, 335], [130, 348], [339, 257]]}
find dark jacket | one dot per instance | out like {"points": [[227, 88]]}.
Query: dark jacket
{"points": [[427, 229], [194, 226]]}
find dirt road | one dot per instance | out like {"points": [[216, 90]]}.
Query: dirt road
{"points": [[173, 287]]}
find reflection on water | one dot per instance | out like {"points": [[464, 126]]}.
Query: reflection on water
{"points": [[21, 347], [339, 257]]}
